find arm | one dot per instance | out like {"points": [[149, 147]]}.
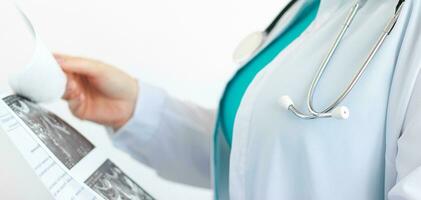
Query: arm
{"points": [[169, 135]]}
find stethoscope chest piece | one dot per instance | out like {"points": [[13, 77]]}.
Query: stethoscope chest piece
{"points": [[254, 41], [248, 46]]}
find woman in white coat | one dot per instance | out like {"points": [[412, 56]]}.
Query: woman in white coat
{"points": [[258, 150]]}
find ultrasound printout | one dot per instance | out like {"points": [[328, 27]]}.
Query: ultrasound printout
{"points": [[113, 184], [65, 142], [61, 185], [68, 164]]}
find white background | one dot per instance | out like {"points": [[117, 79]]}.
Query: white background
{"points": [[184, 46]]}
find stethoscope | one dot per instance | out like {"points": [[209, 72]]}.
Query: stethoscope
{"points": [[250, 45]]}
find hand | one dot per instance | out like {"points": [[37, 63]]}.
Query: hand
{"points": [[98, 92]]}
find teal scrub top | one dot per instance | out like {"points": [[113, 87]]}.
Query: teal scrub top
{"points": [[238, 85]]}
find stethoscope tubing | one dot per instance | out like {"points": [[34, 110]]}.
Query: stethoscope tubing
{"points": [[325, 63], [330, 110], [275, 21]]}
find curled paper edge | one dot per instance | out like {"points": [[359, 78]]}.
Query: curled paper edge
{"points": [[42, 79]]}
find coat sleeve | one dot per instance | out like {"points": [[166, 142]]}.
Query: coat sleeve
{"points": [[408, 155], [171, 136], [408, 158]]}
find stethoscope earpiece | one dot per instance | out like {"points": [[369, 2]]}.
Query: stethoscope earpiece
{"points": [[285, 102], [341, 112]]}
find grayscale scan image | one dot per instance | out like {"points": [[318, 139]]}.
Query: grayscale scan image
{"points": [[65, 142], [113, 184]]}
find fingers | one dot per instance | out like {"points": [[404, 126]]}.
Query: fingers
{"points": [[78, 65], [78, 71]]}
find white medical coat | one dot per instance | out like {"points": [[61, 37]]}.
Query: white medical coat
{"points": [[175, 137]]}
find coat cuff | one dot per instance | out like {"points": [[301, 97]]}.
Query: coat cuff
{"points": [[146, 117]]}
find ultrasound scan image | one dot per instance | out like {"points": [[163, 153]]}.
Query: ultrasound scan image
{"points": [[65, 142], [112, 183]]}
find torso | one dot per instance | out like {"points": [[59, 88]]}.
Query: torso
{"points": [[275, 154]]}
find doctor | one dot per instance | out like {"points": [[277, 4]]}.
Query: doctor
{"points": [[261, 150]]}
